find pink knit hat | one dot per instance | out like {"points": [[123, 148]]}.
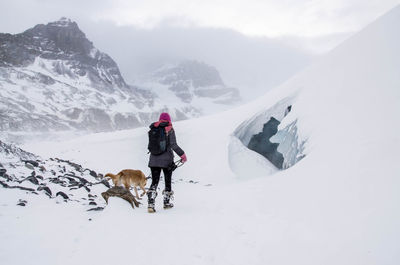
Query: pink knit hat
{"points": [[165, 116]]}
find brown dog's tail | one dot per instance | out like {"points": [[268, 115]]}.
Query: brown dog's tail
{"points": [[112, 176]]}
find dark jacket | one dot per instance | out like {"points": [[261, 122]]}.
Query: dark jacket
{"points": [[167, 158]]}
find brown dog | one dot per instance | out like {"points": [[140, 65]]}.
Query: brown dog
{"points": [[128, 178]]}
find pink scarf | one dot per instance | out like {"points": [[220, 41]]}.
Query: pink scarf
{"points": [[167, 128]]}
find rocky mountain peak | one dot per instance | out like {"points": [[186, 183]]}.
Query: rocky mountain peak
{"points": [[200, 74], [64, 35]]}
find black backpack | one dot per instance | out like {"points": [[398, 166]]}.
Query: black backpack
{"points": [[157, 140]]}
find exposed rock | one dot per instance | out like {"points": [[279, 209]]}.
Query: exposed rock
{"points": [[93, 173], [5, 185], [122, 193], [12, 150], [32, 179], [96, 209], [30, 166], [46, 189], [105, 183], [33, 163], [13, 169], [22, 202], [62, 194]]}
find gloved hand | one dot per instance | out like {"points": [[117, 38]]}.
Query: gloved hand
{"points": [[183, 158]]}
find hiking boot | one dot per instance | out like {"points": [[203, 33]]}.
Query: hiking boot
{"points": [[168, 195], [151, 195]]}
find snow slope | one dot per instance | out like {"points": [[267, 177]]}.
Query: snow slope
{"points": [[339, 205]]}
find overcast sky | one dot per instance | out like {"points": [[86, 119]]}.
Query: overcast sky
{"points": [[254, 44], [271, 18]]}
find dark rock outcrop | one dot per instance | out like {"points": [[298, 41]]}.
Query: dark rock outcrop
{"points": [[71, 176], [62, 194], [96, 209], [32, 179], [46, 190], [22, 202]]}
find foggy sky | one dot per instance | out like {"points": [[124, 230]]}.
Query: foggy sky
{"points": [[252, 64], [271, 18], [255, 44]]}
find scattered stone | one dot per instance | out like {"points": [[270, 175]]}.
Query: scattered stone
{"points": [[122, 193], [93, 173], [46, 190], [23, 188], [96, 209], [77, 167], [45, 175], [62, 194], [7, 177], [72, 177], [22, 202], [5, 185], [29, 166], [90, 219], [193, 182], [104, 182], [32, 179], [57, 181], [31, 162]]}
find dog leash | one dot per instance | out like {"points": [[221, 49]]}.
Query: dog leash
{"points": [[176, 164]]}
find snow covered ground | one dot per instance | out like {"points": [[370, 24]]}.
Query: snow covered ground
{"points": [[338, 205]]}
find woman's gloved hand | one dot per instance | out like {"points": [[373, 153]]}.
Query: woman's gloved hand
{"points": [[183, 158]]}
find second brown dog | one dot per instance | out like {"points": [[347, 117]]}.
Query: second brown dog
{"points": [[128, 178]]}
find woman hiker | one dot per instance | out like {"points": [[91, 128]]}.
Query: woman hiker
{"points": [[162, 142]]}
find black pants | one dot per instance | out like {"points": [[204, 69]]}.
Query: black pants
{"points": [[155, 178]]}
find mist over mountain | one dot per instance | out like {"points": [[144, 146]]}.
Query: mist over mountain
{"points": [[252, 64]]}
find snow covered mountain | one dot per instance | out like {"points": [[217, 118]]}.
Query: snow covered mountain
{"points": [[336, 203], [53, 78], [192, 85]]}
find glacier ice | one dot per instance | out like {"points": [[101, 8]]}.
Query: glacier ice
{"points": [[263, 134]]}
